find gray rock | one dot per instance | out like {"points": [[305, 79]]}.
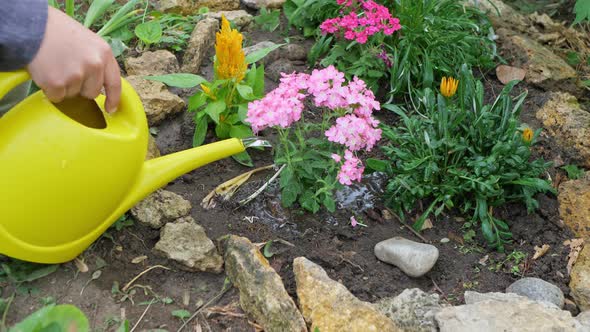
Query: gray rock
{"points": [[159, 62], [414, 258], [413, 310], [202, 39], [186, 242], [161, 207], [240, 18], [262, 294], [258, 4], [584, 319], [475, 297], [271, 57], [519, 315], [538, 290], [329, 307], [294, 52], [275, 69], [158, 102]]}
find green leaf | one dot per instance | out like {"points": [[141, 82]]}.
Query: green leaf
{"points": [[259, 54], [117, 46], [267, 252], [178, 80], [222, 130], [64, 317], [582, 11], [243, 112], [487, 231], [243, 158], [329, 203], [378, 165], [149, 32], [182, 314], [573, 59], [308, 202], [246, 92], [289, 195], [96, 10], [573, 172], [259, 81], [214, 109], [124, 327], [200, 131], [196, 101], [240, 131]]}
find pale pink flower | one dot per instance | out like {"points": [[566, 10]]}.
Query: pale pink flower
{"points": [[353, 221]]}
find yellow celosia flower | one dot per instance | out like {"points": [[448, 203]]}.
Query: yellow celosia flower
{"points": [[448, 86], [230, 59], [527, 135], [207, 91]]}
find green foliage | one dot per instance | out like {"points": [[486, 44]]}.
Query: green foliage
{"points": [[182, 314], [268, 20], [573, 172], [437, 36], [54, 318], [307, 15], [176, 29], [223, 102], [582, 11], [461, 152], [149, 32]]}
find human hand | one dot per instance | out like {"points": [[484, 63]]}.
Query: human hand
{"points": [[74, 61]]}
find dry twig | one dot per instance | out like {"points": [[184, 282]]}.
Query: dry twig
{"points": [[142, 273], [407, 226]]}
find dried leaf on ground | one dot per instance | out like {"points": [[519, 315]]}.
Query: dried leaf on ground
{"points": [[82, 267], [227, 189], [576, 246], [484, 259], [427, 224], [507, 73], [540, 251], [138, 259]]}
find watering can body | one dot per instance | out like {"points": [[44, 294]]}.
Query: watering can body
{"points": [[68, 171]]}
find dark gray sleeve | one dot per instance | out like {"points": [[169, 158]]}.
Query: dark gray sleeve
{"points": [[22, 27]]}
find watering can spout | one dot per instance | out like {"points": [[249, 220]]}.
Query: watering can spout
{"points": [[156, 173]]}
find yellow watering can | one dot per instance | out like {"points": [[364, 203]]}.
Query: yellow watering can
{"points": [[68, 171]]}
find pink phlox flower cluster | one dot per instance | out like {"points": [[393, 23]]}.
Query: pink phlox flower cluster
{"points": [[374, 18], [282, 106], [352, 169], [354, 132]]}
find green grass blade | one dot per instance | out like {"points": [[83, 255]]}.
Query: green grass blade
{"points": [[96, 10]]}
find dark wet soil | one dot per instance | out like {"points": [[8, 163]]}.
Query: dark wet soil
{"points": [[346, 253]]}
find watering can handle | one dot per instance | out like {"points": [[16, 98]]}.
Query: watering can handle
{"points": [[10, 80]]}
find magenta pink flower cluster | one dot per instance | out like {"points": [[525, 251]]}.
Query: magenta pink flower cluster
{"points": [[366, 18], [356, 129]]}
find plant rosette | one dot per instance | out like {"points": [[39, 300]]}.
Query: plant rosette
{"points": [[320, 156]]}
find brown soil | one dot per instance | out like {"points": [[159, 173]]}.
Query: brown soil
{"points": [[346, 253]]}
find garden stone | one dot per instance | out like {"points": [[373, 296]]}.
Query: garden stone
{"points": [[580, 279], [518, 314], [584, 319], [161, 207], [186, 242], [280, 66], [413, 258], [565, 120], [201, 41], [270, 57], [191, 7], [475, 297], [258, 4], [157, 101], [294, 52], [153, 150], [159, 62], [538, 290], [574, 203], [412, 310], [329, 307], [543, 67], [262, 294], [240, 18]]}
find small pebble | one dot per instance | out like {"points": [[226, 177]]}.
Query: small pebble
{"points": [[413, 258], [444, 240]]}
